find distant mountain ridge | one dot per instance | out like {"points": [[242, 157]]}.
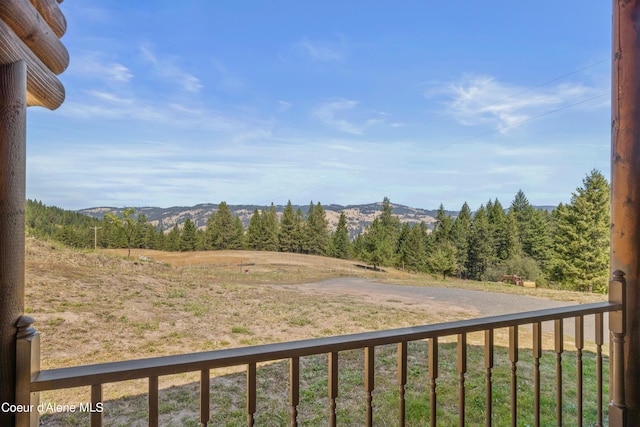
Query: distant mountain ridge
{"points": [[358, 216]]}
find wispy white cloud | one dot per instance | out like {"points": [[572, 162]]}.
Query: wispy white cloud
{"points": [[283, 106], [344, 147], [482, 100], [96, 66], [342, 115], [109, 97], [167, 67], [328, 114], [319, 51], [227, 80], [102, 105]]}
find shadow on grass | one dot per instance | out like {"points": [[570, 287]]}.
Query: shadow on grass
{"points": [[179, 405]]}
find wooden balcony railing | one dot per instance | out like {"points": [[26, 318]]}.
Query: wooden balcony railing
{"points": [[94, 376]]}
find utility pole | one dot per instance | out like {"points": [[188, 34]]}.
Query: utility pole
{"points": [[95, 236]]}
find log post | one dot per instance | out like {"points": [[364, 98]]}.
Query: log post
{"points": [[13, 124], [27, 366], [625, 189]]}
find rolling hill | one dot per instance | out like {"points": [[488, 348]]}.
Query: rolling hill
{"points": [[358, 216]]}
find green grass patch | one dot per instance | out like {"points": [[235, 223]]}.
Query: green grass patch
{"points": [[240, 330]]}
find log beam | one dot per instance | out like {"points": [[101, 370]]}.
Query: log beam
{"points": [[43, 87], [26, 23], [51, 13]]}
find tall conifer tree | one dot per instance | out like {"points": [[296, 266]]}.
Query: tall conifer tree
{"points": [[316, 231], [340, 239], [188, 236], [270, 229], [481, 253], [460, 238], [288, 232], [255, 231], [582, 237], [222, 230]]}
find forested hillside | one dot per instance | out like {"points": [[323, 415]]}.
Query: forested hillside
{"points": [[567, 247], [358, 216]]}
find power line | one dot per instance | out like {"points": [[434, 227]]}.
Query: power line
{"points": [[530, 88], [546, 113]]}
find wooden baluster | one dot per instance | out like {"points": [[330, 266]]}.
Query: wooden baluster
{"points": [[558, 348], [96, 398], [205, 409], [294, 389], [153, 401], [488, 365], [369, 379], [537, 354], [333, 387], [251, 393], [462, 370], [579, 346], [599, 341], [433, 375], [402, 381], [618, 372], [513, 358]]}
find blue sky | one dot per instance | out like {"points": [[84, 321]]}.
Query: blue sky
{"points": [[177, 103]]}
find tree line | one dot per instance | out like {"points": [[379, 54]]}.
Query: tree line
{"points": [[568, 247]]}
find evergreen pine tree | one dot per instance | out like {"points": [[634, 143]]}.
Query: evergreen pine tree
{"points": [[540, 242], [299, 230], [340, 239], [222, 232], [238, 240], [581, 240], [159, 242], [380, 240], [150, 237], [390, 222], [357, 246], [442, 259], [288, 232], [377, 249], [316, 231], [402, 250], [504, 230], [270, 229], [460, 238], [201, 238], [442, 228], [255, 231], [481, 253], [172, 240], [188, 236], [523, 213], [412, 248]]}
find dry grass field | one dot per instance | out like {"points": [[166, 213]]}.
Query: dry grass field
{"points": [[93, 307]]}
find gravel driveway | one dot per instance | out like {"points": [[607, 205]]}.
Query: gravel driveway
{"points": [[468, 302]]}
